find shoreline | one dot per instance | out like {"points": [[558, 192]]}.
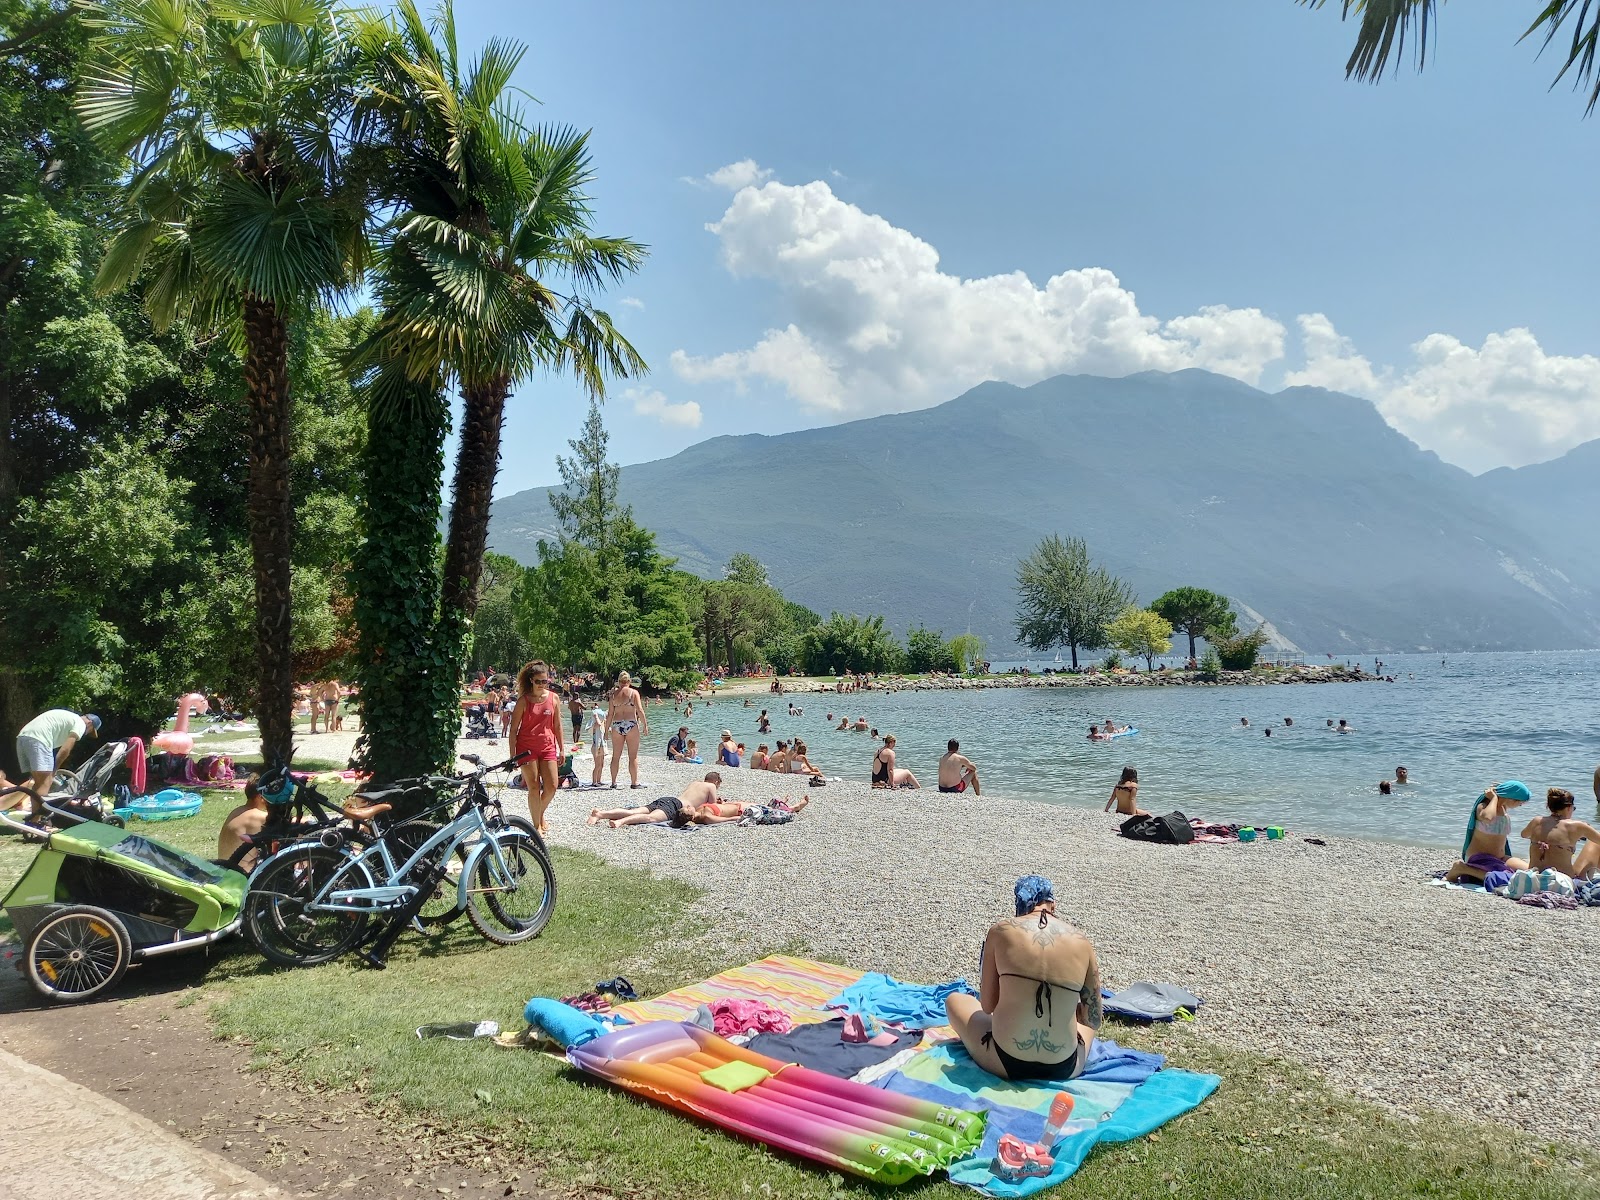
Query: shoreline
{"points": [[884, 685], [1340, 956]]}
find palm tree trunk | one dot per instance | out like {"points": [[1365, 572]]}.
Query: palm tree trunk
{"points": [[477, 464], [266, 374]]}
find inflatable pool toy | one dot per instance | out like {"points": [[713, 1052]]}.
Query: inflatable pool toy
{"points": [[883, 1136], [1128, 732], [178, 739], [166, 805]]}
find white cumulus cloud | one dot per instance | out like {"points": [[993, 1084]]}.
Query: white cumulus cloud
{"points": [[878, 325], [742, 174], [631, 302], [653, 404], [1505, 403]]}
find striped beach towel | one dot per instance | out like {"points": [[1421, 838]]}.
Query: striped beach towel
{"points": [[799, 986]]}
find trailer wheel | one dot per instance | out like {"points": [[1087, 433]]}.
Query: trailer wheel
{"points": [[76, 953]]}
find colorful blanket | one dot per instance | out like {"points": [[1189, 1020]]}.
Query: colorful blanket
{"points": [[1122, 1095], [799, 986]]}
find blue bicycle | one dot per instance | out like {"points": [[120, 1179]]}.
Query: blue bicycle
{"points": [[315, 900]]}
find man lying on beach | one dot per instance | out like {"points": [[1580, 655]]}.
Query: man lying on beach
{"points": [[1553, 839], [1013, 1028], [676, 811], [1488, 844], [956, 771]]}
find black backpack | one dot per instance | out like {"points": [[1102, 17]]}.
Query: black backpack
{"points": [[1171, 830]]}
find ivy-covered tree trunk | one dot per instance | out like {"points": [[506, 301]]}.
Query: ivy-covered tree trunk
{"points": [[15, 697], [266, 373], [408, 665], [471, 493]]}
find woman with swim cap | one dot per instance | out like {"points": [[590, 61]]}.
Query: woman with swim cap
{"points": [[1037, 1012], [1487, 846]]}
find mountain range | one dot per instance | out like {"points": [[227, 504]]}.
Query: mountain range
{"points": [[1304, 506]]}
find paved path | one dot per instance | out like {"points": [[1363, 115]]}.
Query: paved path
{"points": [[64, 1140]]}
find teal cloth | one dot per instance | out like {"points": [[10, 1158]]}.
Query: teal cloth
{"points": [[1102, 1111], [1511, 789]]}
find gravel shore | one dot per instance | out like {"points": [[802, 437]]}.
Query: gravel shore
{"points": [[1338, 956]]}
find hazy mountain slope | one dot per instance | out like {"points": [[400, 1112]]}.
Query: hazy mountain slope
{"points": [[1560, 501], [1304, 505]]}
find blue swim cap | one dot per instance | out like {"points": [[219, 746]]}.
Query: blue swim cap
{"points": [[1032, 891]]}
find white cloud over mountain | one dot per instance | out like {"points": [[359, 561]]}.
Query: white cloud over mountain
{"points": [[876, 325], [654, 404]]}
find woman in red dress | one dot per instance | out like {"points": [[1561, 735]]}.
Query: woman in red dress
{"points": [[537, 722]]}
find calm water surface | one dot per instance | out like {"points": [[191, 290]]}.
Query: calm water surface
{"points": [[1458, 724]]}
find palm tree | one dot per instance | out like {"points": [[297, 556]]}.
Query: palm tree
{"points": [[1386, 24], [504, 265], [240, 213]]}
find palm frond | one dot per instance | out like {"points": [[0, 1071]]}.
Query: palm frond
{"points": [[1385, 25], [1581, 51]]}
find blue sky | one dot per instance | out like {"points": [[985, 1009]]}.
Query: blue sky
{"points": [[1207, 186]]}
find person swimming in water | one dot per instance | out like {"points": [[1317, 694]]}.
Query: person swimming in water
{"points": [[1012, 1028], [1095, 735], [1488, 842], [1553, 839]]}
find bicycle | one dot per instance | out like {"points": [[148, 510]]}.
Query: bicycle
{"points": [[313, 901]]}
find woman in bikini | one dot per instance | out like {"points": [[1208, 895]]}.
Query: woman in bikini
{"points": [[1126, 795], [798, 763], [626, 721], [537, 721], [1488, 845], [1553, 839], [1037, 1012]]}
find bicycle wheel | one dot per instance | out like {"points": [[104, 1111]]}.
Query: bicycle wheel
{"points": [[442, 905], [512, 903], [278, 918], [77, 952]]}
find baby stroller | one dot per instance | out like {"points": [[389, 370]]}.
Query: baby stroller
{"points": [[479, 724], [98, 898], [75, 796]]}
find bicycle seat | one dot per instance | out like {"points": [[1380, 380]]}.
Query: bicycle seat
{"points": [[364, 812]]}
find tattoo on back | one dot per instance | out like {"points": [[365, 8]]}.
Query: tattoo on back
{"points": [[1037, 1040]]}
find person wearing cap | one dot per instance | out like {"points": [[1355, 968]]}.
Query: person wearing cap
{"points": [[728, 752], [1487, 846], [44, 743], [1037, 1011]]}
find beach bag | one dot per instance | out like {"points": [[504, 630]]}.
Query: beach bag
{"points": [[1526, 883], [1170, 830], [817, 781]]}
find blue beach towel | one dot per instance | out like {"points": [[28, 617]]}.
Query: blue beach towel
{"points": [[1122, 1094], [914, 1005]]}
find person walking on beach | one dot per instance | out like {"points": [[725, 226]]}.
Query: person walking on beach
{"points": [[575, 710], [331, 695], [537, 721], [1126, 795], [626, 721], [43, 744], [956, 771], [597, 742]]}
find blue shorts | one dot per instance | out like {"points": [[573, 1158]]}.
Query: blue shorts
{"points": [[33, 755]]}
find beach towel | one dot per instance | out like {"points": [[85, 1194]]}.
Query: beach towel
{"points": [[135, 762], [800, 987], [820, 1047], [1150, 1002], [914, 1005], [1122, 1094]]}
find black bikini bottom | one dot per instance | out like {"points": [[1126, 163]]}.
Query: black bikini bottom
{"points": [[1024, 1068]]}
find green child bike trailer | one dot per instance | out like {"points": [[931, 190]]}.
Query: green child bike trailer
{"points": [[97, 899]]}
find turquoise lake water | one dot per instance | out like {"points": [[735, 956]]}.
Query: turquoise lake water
{"points": [[1458, 724]]}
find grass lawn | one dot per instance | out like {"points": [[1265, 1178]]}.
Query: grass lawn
{"points": [[1272, 1130]]}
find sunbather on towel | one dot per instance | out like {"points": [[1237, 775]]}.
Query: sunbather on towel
{"points": [[1488, 844], [722, 811], [677, 811], [1554, 836], [1032, 963]]}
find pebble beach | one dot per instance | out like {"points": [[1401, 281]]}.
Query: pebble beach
{"points": [[1341, 957]]}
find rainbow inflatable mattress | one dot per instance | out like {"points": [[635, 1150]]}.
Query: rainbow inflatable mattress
{"points": [[884, 1136]]}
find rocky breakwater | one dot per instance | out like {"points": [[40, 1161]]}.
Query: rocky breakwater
{"points": [[1258, 677]]}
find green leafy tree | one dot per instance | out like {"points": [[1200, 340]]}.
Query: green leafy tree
{"points": [[1064, 599], [926, 650], [496, 640], [845, 642], [1239, 653], [1385, 26], [1196, 612], [1143, 632], [967, 651], [242, 215]]}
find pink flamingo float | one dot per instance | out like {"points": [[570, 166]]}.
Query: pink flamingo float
{"points": [[178, 739]]}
